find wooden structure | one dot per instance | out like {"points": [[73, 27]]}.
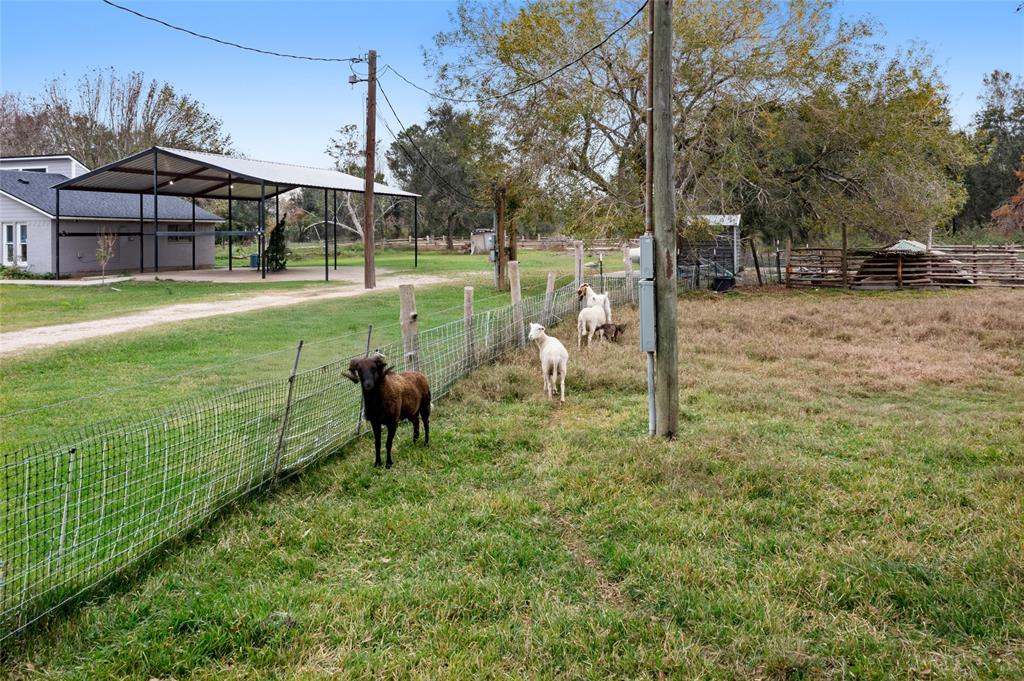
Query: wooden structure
{"points": [[907, 264]]}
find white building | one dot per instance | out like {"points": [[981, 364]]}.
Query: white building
{"points": [[28, 225]]}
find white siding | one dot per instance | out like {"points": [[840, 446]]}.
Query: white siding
{"points": [[64, 165], [78, 253]]}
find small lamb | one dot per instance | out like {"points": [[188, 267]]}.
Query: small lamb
{"points": [[587, 323], [611, 331], [594, 299], [554, 358]]}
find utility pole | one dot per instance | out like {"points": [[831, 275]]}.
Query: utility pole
{"points": [[666, 389], [369, 267]]}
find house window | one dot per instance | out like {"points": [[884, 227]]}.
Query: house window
{"points": [[178, 228], [15, 244]]}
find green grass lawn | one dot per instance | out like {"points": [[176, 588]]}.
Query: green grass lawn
{"points": [[23, 307], [430, 262], [152, 370], [842, 501]]}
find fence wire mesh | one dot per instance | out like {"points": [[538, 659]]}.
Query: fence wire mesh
{"points": [[81, 509]]}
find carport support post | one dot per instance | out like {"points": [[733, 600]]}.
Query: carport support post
{"points": [[467, 326], [193, 232], [327, 265], [142, 237], [335, 193], [263, 228], [415, 232], [57, 238], [156, 216], [410, 327], [231, 228], [517, 302]]}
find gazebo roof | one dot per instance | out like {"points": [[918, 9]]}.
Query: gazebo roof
{"points": [[180, 172]]}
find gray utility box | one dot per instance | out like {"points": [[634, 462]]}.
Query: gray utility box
{"points": [[647, 257], [648, 337]]}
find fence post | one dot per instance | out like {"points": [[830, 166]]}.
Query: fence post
{"points": [[362, 404], [757, 265], [467, 326], [627, 267], [789, 260], [410, 327], [549, 295], [845, 260], [579, 263], [517, 302], [778, 263], [287, 413]]}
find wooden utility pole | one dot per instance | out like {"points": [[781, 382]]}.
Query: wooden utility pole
{"points": [[499, 238], [666, 386], [369, 267]]}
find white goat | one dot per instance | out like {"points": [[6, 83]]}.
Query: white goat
{"points": [[554, 358], [592, 299], [587, 322]]}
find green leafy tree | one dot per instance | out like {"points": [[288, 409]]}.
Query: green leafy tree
{"points": [[999, 133], [747, 73]]}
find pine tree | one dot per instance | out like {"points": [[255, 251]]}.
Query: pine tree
{"points": [[277, 249]]}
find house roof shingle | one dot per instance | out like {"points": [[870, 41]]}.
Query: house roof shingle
{"points": [[36, 189]]}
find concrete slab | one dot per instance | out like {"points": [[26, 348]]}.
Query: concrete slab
{"points": [[245, 275]]}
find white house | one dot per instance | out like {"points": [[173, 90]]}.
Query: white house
{"points": [[28, 222]]}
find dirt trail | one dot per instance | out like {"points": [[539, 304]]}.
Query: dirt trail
{"points": [[15, 342]]}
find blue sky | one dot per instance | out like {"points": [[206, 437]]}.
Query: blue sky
{"points": [[287, 110]]}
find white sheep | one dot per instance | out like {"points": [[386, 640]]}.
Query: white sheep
{"points": [[592, 299], [587, 322], [554, 358]]}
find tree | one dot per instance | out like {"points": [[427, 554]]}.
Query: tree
{"points": [[744, 70], [999, 132], [442, 162], [348, 152], [106, 248], [1010, 215], [277, 248], [104, 116]]}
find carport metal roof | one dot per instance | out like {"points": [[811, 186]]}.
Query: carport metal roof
{"points": [[180, 172]]}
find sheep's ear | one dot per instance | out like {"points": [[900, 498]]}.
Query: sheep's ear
{"points": [[351, 375]]}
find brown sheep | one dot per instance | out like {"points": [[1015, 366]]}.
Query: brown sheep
{"points": [[389, 397]]}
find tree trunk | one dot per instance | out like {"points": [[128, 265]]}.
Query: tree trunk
{"points": [[451, 231]]}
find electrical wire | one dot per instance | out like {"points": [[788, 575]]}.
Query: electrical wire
{"points": [[527, 86], [414, 146], [228, 42]]}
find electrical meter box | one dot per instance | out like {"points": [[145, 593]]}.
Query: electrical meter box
{"points": [[648, 338], [647, 257]]}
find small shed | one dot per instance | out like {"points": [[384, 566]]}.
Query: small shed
{"points": [[910, 264]]}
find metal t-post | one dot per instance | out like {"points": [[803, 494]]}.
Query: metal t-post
{"points": [[284, 419]]}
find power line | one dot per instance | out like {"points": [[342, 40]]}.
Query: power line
{"points": [[422, 155], [228, 42], [521, 88]]}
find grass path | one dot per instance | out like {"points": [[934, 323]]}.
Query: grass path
{"points": [[15, 342], [826, 512]]}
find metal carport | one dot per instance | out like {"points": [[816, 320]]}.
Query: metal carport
{"points": [[164, 171]]}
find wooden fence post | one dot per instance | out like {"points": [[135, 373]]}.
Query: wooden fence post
{"points": [[757, 264], [410, 327], [467, 326], [287, 412], [579, 263], [549, 295], [846, 266], [517, 303], [789, 260], [627, 267]]}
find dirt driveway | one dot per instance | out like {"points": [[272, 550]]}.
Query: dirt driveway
{"points": [[15, 342]]}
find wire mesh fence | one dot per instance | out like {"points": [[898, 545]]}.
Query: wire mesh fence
{"points": [[80, 509]]}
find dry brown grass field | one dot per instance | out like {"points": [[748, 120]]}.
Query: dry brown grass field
{"points": [[844, 500]]}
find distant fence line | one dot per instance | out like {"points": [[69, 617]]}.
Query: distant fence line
{"points": [[960, 266], [86, 506]]}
